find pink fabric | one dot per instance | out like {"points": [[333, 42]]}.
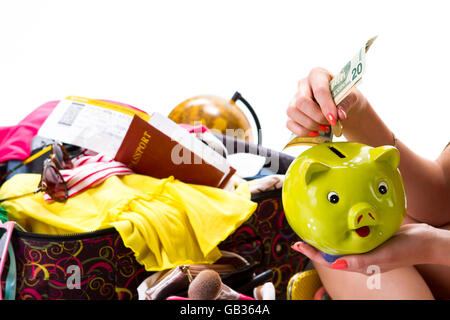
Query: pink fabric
{"points": [[15, 141], [89, 170], [192, 129]]}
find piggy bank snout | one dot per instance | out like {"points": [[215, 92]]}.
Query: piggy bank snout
{"points": [[362, 214]]}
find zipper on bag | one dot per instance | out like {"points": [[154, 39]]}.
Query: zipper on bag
{"points": [[64, 237]]}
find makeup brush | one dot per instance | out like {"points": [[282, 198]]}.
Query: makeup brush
{"points": [[208, 285]]}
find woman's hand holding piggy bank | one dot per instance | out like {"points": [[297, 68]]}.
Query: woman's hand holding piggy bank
{"points": [[345, 198]]}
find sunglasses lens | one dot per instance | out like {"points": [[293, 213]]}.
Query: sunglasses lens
{"points": [[61, 156], [53, 183]]}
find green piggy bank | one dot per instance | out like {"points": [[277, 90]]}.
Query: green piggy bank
{"points": [[344, 197]]}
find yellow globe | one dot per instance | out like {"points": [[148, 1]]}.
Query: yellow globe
{"points": [[217, 113]]}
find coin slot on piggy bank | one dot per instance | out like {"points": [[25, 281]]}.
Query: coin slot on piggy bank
{"points": [[345, 197]]}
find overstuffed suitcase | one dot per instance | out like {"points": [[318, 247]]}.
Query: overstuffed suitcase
{"points": [[97, 265]]}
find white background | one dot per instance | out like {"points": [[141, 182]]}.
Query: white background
{"points": [[155, 54]]}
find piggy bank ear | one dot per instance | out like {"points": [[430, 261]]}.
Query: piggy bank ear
{"points": [[386, 154], [310, 169]]}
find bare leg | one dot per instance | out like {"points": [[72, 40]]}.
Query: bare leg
{"points": [[419, 282], [437, 277], [404, 283]]}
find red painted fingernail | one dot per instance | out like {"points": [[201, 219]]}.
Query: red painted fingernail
{"points": [[313, 134], [339, 264], [331, 119], [323, 127], [296, 247], [342, 114]]}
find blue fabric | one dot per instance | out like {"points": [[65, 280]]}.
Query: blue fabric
{"points": [[10, 285], [264, 172], [13, 163]]}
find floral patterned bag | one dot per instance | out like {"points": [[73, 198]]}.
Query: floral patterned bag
{"points": [[266, 239], [87, 266]]}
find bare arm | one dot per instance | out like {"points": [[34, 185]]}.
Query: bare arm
{"points": [[427, 183]]}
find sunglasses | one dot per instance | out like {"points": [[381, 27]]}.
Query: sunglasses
{"points": [[6, 248], [52, 182]]}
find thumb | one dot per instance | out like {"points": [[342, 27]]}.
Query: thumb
{"points": [[356, 263], [344, 107]]}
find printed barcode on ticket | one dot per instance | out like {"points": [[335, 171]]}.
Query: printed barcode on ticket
{"points": [[71, 114]]}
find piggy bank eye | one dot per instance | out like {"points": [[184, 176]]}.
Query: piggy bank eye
{"points": [[382, 187], [333, 197]]}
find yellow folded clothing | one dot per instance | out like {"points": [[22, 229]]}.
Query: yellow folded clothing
{"points": [[164, 221]]}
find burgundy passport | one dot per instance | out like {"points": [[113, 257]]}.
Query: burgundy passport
{"points": [[161, 148]]}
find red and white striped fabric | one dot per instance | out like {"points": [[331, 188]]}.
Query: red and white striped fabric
{"points": [[90, 170]]}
